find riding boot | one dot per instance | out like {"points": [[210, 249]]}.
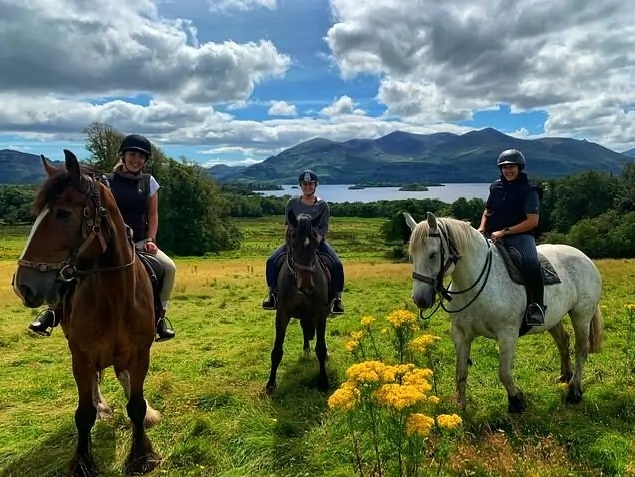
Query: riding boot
{"points": [[271, 301], [164, 331], [535, 313], [337, 308], [49, 318]]}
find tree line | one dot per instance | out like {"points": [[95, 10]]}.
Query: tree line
{"points": [[592, 210]]}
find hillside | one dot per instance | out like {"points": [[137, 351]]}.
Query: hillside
{"points": [[398, 157], [442, 157]]}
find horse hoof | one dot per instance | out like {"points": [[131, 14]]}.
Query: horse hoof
{"points": [[574, 396], [564, 378], [270, 388], [323, 385], [143, 464], [83, 467], [516, 404]]}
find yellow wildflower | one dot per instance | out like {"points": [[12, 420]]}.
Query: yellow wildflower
{"points": [[351, 345], [630, 306], [357, 335], [398, 396], [419, 424], [345, 397], [434, 400], [449, 421], [423, 342], [370, 372], [384, 331], [403, 318], [367, 320]]}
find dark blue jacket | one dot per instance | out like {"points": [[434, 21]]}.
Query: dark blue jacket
{"points": [[506, 202]]}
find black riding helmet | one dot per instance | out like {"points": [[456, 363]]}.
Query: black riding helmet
{"points": [[308, 176], [511, 156], [136, 142]]}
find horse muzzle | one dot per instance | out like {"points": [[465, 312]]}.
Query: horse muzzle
{"points": [[35, 288], [423, 298]]}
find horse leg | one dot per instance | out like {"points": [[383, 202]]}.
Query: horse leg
{"points": [[82, 464], [308, 333], [103, 409], [152, 416], [282, 321], [462, 348], [507, 346], [142, 458], [561, 337], [321, 352], [580, 322]]}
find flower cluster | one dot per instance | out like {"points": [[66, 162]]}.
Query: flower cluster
{"points": [[393, 402]]}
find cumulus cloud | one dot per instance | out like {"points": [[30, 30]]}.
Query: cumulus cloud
{"points": [[442, 60], [282, 108], [240, 5], [342, 106], [123, 47]]}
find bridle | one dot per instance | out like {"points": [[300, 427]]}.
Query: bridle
{"points": [[93, 227], [452, 259]]}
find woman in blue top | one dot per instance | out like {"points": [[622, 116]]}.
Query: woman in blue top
{"points": [[308, 203]]}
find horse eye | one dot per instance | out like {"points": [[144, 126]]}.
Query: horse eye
{"points": [[62, 214], [432, 255]]}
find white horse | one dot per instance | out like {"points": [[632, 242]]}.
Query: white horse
{"points": [[488, 298]]}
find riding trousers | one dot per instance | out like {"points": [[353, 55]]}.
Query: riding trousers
{"points": [[338, 267], [526, 245], [169, 273]]}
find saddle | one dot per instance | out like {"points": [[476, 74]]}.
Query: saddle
{"points": [[514, 264], [155, 272]]}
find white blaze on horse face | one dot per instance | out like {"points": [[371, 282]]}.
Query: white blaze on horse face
{"points": [[306, 242], [38, 221]]}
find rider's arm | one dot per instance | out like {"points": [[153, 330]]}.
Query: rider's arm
{"points": [[323, 226], [153, 216], [532, 209], [483, 220]]}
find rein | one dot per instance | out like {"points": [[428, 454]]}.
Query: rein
{"points": [[453, 259], [95, 227]]}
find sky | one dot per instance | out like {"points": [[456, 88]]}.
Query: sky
{"points": [[236, 81]]}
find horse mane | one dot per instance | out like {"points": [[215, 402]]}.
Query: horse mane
{"points": [[304, 225], [460, 232], [56, 184]]}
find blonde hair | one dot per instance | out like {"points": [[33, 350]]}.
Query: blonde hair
{"points": [[118, 165]]}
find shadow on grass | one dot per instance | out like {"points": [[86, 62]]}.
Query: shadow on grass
{"points": [[298, 407], [596, 436], [51, 456]]}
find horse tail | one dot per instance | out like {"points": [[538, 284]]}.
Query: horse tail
{"points": [[596, 331], [308, 326]]}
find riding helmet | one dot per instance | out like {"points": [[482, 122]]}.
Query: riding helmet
{"points": [[511, 156], [136, 142], [308, 176]]}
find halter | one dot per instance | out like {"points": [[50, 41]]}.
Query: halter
{"points": [[92, 229], [452, 259]]}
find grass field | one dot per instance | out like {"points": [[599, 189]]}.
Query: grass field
{"points": [[208, 381]]}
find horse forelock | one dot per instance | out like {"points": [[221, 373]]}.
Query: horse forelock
{"points": [[304, 225], [461, 233]]}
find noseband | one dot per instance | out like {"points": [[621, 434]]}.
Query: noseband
{"points": [[452, 259], [95, 227]]}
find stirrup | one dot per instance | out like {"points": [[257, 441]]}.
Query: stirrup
{"points": [[531, 309], [158, 338]]}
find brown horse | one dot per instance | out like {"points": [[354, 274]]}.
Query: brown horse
{"points": [[79, 254], [305, 292]]}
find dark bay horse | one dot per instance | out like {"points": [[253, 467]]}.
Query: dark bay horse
{"points": [[79, 254], [304, 292]]}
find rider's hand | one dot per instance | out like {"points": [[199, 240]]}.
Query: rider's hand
{"points": [[319, 237], [498, 235], [481, 230], [150, 247]]}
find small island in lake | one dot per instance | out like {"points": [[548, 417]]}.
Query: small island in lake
{"points": [[423, 186]]}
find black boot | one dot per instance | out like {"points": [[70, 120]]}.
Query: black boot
{"points": [[49, 318], [271, 301], [535, 314], [337, 308], [164, 331]]}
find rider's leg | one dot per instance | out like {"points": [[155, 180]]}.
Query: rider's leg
{"points": [[49, 318], [526, 245], [164, 331], [271, 274], [338, 277]]}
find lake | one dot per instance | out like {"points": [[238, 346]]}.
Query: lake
{"points": [[340, 192]]}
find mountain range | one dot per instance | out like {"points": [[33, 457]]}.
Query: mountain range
{"points": [[398, 157]]}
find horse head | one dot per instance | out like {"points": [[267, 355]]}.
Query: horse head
{"points": [[302, 244], [434, 257], [76, 221]]}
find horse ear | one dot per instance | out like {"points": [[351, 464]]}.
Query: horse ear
{"points": [[48, 167], [293, 220], [412, 223], [317, 219], [72, 166], [432, 220]]}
